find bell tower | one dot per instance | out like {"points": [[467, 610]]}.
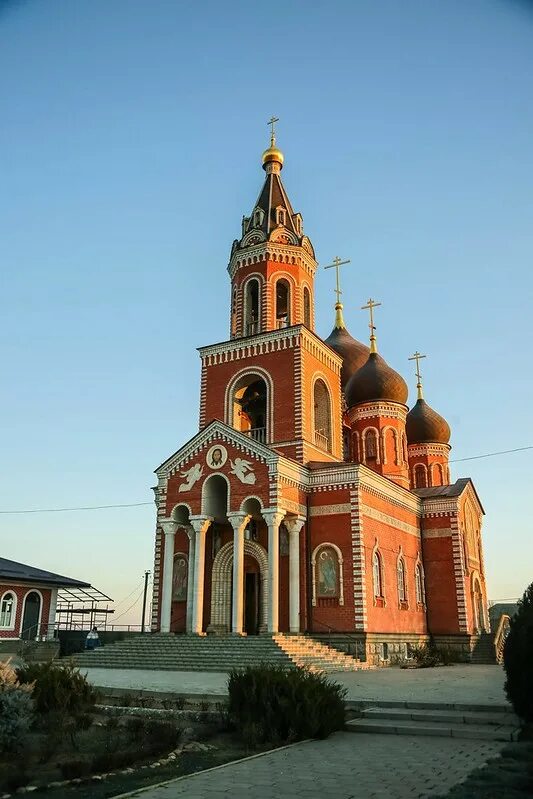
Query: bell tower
{"points": [[272, 266], [274, 380]]}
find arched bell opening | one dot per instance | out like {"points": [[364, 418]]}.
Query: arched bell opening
{"points": [[250, 407], [251, 306], [283, 304]]}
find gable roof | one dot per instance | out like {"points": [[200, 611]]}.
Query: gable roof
{"points": [[20, 572], [453, 490]]}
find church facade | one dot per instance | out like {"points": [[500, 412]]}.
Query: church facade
{"points": [[312, 499]]}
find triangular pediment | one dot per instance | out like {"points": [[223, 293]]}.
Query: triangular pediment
{"points": [[216, 431]]}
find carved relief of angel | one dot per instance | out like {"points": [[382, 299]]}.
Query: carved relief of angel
{"points": [[192, 476], [243, 470]]}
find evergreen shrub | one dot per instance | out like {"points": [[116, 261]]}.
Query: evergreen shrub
{"points": [[58, 688], [268, 704], [16, 709], [518, 658]]}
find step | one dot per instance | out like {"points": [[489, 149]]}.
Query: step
{"points": [[455, 717], [480, 732]]}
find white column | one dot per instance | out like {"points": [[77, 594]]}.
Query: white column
{"points": [[200, 525], [294, 527], [52, 615], [238, 521], [190, 578], [273, 517], [169, 529]]}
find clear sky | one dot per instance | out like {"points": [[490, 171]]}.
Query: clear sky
{"points": [[130, 141]]}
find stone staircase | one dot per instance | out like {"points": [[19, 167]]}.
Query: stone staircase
{"points": [[216, 653], [484, 651], [478, 722]]}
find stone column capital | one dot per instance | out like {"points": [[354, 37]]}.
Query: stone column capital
{"points": [[239, 520], [294, 524], [169, 526], [273, 516], [200, 524]]}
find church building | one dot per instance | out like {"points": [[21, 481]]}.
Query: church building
{"points": [[313, 499]]}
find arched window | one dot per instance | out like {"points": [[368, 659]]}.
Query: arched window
{"points": [[404, 448], [371, 445], [322, 415], [307, 307], [179, 577], [420, 476], [249, 400], [283, 304], [390, 446], [377, 575], [7, 611], [402, 589], [419, 585], [252, 306], [437, 474], [234, 311]]}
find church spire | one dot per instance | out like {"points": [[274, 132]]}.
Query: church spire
{"points": [[370, 307], [339, 318], [418, 357]]}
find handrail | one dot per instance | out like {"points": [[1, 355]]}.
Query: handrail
{"points": [[348, 636], [500, 636]]}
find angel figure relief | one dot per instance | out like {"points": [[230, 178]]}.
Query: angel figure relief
{"points": [[192, 476], [243, 470]]}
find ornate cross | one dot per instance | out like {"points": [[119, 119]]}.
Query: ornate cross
{"points": [[416, 356], [272, 121], [337, 263], [370, 307]]}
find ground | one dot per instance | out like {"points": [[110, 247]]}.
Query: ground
{"points": [[345, 766], [459, 684]]}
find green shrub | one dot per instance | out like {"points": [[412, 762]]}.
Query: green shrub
{"points": [[426, 656], [518, 658], [270, 704], [161, 736], [16, 709], [58, 688]]}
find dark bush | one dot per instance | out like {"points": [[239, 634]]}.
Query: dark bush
{"points": [[270, 704], [17, 777], [426, 656], [72, 769], [518, 658], [109, 761], [58, 688], [161, 736]]}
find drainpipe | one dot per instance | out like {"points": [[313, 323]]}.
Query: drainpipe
{"points": [[308, 575]]}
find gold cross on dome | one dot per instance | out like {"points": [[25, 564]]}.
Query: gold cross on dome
{"points": [[272, 121], [337, 263], [370, 307], [416, 356]]}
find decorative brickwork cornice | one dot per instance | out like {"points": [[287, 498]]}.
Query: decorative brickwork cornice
{"points": [[372, 410], [272, 251], [428, 449]]}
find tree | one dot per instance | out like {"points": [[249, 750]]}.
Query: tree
{"points": [[518, 658]]}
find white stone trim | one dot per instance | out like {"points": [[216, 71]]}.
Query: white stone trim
{"points": [[5, 628], [391, 521], [330, 510], [258, 371], [221, 584]]}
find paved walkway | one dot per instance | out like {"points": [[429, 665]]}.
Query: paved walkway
{"points": [[460, 684], [345, 766]]}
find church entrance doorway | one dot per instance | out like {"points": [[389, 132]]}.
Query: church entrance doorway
{"points": [[251, 603], [31, 616]]}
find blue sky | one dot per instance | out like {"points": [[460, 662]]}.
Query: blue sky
{"points": [[130, 148]]}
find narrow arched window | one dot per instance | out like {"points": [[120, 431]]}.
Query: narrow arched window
{"points": [[377, 575], [419, 584], [420, 476], [252, 306], [327, 573], [437, 474], [402, 591], [7, 611], [307, 307], [322, 415], [371, 445], [234, 311], [283, 304]]}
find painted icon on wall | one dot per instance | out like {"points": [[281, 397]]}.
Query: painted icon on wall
{"points": [[217, 456], [179, 579]]}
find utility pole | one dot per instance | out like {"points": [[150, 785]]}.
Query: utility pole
{"points": [[146, 576]]}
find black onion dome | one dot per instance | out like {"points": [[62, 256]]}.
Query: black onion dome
{"points": [[353, 353], [426, 426], [376, 380]]}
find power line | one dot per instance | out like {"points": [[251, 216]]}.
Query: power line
{"points": [[140, 504], [115, 619], [492, 454]]}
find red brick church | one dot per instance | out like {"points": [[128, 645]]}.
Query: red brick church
{"points": [[312, 499]]}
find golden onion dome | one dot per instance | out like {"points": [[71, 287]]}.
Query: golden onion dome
{"points": [[273, 154]]}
